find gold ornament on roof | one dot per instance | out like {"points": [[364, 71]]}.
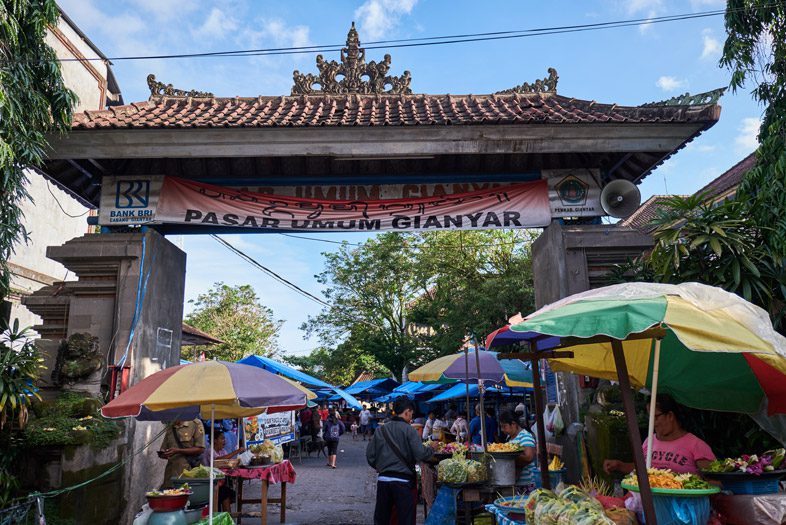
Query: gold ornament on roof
{"points": [[546, 85], [358, 76]]}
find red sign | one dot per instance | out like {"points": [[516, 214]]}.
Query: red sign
{"points": [[187, 202]]}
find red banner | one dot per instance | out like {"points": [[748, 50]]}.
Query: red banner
{"points": [[187, 202]]}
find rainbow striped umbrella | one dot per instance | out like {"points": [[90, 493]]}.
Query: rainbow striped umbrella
{"points": [[719, 352], [208, 389], [453, 368]]}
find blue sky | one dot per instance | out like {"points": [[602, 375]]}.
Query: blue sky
{"points": [[627, 66]]}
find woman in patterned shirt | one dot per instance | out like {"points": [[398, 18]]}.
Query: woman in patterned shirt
{"points": [[509, 424]]}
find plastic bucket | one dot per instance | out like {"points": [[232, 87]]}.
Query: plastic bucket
{"points": [[555, 477], [676, 510]]}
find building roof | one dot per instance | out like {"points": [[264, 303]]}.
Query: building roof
{"points": [[380, 110], [727, 182], [192, 336], [643, 216], [730, 179]]}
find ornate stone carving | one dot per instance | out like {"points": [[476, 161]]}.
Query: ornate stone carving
{"points": [[159, 89], [710, 97], [546, 85], [358, 76]]}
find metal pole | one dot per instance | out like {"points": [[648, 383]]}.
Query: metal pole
{"points": [[480, 394], [212, 441], [543, 456], [469, 405], [633, 433], [654, 395]]}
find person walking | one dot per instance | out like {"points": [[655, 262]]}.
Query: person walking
{"points": [[331, 433], [365, 419], [393, 452]]}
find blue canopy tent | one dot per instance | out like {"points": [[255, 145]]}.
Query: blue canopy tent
{"points": [[411, 389], [307, 380], [459, 391], [373, 388]]}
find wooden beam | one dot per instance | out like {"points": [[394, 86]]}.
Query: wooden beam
{"points": [[396, 141], [633, 432], [543, 455]]}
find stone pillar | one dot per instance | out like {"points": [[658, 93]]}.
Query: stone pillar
{"points": [[120, 276]]}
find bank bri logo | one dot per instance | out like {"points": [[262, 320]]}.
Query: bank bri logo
{"points": [[132, 194]]}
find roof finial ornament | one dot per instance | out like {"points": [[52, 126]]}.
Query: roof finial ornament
{"points": [[547, 85], [353, 67], [159, 89], [710, 97]]}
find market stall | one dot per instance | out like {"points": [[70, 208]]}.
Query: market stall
{"points": [[209, 389], [706, 347]]}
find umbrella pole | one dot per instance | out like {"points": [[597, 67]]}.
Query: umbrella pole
{"points": [[543, 456], [212, 437], [480, 394], [633, 433], [469, 404], [654, 395]]}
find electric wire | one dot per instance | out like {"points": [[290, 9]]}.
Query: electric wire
{"points": [[57, 201], [265, 269], [430, 41]]}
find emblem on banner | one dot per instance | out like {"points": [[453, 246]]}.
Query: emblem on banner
{"points": [[132, 194], [572, 191]]}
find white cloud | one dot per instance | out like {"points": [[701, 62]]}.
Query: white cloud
{"points": [[167, 10], [668, 83], [217, 25], [747, 140], [644, 9], [712, 46], [282, 34], [377, 18]]}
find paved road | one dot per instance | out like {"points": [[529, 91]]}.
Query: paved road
{"points": [[323, 496]]}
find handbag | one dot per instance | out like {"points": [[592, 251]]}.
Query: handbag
{"points": [[193, 461]]}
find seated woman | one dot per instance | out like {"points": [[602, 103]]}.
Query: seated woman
{"points": [[218, 450], [673, 447], [509, 424]]}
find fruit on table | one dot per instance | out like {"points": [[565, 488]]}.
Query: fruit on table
{"points": [[556, 464], [667, 479]]}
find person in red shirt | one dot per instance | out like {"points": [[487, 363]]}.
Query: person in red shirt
{"points": [[323, 412]]}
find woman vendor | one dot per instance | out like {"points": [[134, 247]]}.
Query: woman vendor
{"points": [[509, 424], [674, 447]]}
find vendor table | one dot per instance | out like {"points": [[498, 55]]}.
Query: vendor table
{"points": [[282, 473]]}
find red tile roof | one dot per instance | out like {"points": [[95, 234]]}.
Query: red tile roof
{"points": [[641, 219], [730, 179], [380, 110]]}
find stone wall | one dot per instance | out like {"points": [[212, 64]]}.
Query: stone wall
{"points": [[102, 302]]}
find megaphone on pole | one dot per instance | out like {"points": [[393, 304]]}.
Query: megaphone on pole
{"points": [[620, 198]]}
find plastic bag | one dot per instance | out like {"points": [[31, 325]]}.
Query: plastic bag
{"points": [[535, 498], [245, 457]]}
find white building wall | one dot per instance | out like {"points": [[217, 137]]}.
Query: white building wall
{"points": [[53, 217]]}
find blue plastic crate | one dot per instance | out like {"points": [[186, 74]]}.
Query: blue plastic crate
{"points": [[752, 486]]}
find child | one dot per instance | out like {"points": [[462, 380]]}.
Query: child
{"points": [[354, 428]]}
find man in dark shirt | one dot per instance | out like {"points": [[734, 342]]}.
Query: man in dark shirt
{"points": [[393, 452], [474, 428]]}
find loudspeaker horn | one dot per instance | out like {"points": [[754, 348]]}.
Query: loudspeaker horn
{"points": [[620, 198]]}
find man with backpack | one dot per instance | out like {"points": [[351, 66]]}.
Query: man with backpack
{"points": [[331, 433], [393, 452]]}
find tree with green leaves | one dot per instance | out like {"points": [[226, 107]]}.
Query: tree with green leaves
{"points": [[473, 282], [755, 52], [405, 299], [34, 101], [339, 366], [235, 315], [368, 291]]}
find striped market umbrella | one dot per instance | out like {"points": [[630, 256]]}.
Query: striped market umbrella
{"points": [[207, 389], [718, 351], [453, 368]]}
